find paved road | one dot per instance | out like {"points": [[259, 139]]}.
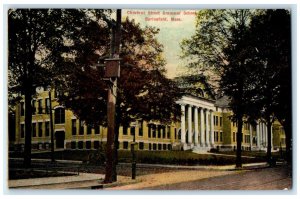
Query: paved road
{"points": [[260, 179]]}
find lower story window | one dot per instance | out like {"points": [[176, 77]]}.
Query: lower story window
{"points": [[80, 145], [125, 145], [73, 145]]}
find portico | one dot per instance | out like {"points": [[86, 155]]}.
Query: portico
{"points": [[199, 134]]}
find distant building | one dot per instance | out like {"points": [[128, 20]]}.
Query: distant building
{"points": [[205, 124]]}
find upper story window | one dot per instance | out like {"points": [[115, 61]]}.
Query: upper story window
{"points": [[22, 109], [74, 130], [47, 105], [141, 128], [33, 107], [59, 116], [40, 107]]}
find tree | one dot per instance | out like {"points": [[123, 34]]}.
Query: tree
{"points": [[218, 48], [271, 37], [26, 32], [144, 93], [36, 37]]}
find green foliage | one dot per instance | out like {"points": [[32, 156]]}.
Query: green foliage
{"points": [[204, 50], [143, 90]]}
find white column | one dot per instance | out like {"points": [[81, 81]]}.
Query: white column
{"points": [[183, 124], [261, 129], [251, 137], [206, 128], [212, 137], [202, 137], [258, 135], [190, 124], [196, 126], [266, 134]]}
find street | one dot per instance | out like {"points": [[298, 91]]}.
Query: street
{"points": [[277, 178]]}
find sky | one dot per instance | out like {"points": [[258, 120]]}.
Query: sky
{"points": [[174, 25]]}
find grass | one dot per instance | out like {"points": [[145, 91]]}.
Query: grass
{"points": [[152, 157], [26, 174], [259, 154]]}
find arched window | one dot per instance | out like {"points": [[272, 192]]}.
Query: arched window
{"points": [[59, 115]]}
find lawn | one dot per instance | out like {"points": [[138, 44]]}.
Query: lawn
{"points": [[153, 157]]}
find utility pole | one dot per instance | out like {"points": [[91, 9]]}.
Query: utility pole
{"points": [[112, 71]]}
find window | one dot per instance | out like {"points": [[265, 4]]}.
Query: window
{"points": [[169, 147], [96, 144], [40, 107], [73, 145], [149, 130], [74, 130], [125, 128], [164, 147], [141, 145], [217, 122], [154, 147], [154, 131], [88, 144], [40, 126], [175, 130], [47, 105], [33, 107], [221, 136], [47, 129], [22, 109], [221, 122], [97, 129], [233, 136], [216, 136], [140, 128], [89, 129], [80, 145], [59, 116], [159, 131], [33, 129], [132, 130], [159, 146], [150, 146], [22, 130], [81, 127], [125, 145], [164, 131], [169, 132]]}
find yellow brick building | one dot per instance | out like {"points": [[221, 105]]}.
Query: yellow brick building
{"points": [[205, 124]]}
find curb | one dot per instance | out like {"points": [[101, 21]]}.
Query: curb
{"points": [[114, 184]]}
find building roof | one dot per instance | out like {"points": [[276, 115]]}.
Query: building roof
{"points": [[222, 102], [195, 85]]}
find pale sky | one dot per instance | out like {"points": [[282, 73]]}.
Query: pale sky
{"points": [[171, 32]]}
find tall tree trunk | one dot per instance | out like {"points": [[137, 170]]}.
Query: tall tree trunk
{"points": [[239, 141], [269, 132], [115, 152], [288, 140], [28, 125]]}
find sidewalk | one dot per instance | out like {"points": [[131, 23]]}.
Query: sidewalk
{"points": [[81, 181], [94, 181], [207, 167]]}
